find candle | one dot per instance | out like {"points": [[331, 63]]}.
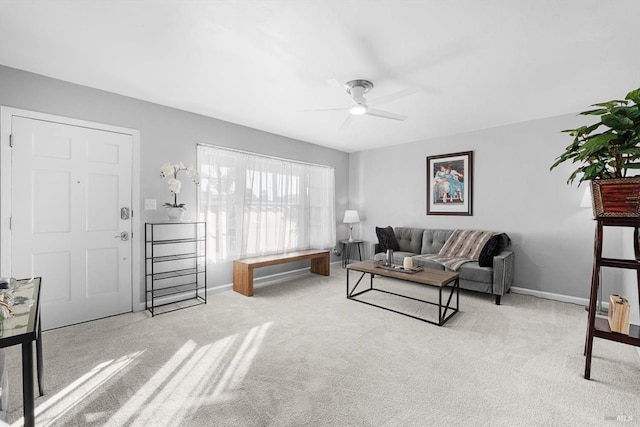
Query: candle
{"points": [[408, 263]]}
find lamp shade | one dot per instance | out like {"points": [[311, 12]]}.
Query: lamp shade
{"points": [[350, 217]]}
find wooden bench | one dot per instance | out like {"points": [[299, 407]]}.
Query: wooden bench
{"points": [[243, 268]]}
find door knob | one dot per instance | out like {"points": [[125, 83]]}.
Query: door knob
{"points": [[124, 236]]}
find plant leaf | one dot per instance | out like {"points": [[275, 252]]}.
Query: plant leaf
{"points": [[634, 96], [611, 153], [563, 158], [598, 112], [632, 112], [610, 104], [617, 122], [633, 151]]}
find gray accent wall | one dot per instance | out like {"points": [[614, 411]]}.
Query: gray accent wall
{"points": [[513, 192], [167, 135]]}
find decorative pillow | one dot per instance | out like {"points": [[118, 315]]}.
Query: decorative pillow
{"points": [[493, 247], [387, 239]]}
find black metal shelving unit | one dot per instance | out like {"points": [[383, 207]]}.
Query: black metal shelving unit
{"points": [[175, 265]]}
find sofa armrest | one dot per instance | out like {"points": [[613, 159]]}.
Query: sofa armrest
{"points": [[503, 272], [375, 248]]}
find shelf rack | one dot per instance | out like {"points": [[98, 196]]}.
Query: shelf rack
{"points": [[599, 326], [175, 265]]}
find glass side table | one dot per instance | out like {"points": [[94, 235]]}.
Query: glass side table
{"points": [[23, 328]]}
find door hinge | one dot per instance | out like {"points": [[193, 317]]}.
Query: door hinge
{"points": [[11, 140], [10, 222]]}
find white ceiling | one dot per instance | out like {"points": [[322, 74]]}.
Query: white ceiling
{"points": [[260, 63]]}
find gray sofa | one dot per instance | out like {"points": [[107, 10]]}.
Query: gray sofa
{"points": [[413, 242]]}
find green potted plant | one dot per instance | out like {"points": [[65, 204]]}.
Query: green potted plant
{"points": [[607, 153]]}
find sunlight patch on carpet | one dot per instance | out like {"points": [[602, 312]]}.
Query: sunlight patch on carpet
{"points": [[55, 407], [193, 377]]}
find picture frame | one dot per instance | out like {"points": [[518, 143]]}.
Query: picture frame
{"points": [[450, 184]]}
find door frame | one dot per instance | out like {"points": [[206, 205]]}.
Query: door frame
{"points": [[6, 113]]}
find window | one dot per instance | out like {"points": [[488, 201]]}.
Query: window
{"points": [[258, 205]]}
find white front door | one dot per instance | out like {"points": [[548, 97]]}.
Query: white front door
{"points": [[71, 196]]}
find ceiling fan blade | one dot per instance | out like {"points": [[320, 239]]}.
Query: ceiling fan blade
{"points": [[392, 97], [347, 121], [385, 114], [328, 109]]}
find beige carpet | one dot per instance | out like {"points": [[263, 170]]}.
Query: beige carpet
{"points": [[299, 353]]}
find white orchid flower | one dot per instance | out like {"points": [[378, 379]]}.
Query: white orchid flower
{"points": [[166, 170], [174, 185]]}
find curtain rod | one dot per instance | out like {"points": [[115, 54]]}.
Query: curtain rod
{"points": [[235, 150]]}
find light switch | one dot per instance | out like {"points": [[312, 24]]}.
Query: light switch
{"points": [[150, 204]]}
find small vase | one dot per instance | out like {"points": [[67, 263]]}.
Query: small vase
{"points": [[175, 214], [389, 258]]}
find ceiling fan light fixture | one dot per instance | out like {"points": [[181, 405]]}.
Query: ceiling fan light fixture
{"points": [[358, 109]]}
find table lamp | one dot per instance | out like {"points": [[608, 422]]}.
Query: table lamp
{"points": [[351, 217]]}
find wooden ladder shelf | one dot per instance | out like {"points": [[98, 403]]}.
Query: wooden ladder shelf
{"points": [[598, 326]]}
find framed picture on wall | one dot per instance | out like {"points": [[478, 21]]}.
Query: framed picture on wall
{"points": [[450, 183]]}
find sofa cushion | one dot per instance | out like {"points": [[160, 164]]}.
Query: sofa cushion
{"points": [[470, 271], [433, 240], [427, 263], [473, 272], [387, 239], [493, 247], [409, 239]]}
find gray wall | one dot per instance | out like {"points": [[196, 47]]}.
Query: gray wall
{"points": [[166, 134], [513, 192]]}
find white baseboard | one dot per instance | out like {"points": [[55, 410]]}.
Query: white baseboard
{"points": [[555, 297]]}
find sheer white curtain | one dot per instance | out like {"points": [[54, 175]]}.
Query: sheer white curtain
{"points": [[257, 205]]}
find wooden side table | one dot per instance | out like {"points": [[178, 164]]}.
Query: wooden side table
{"points": [[348, 249]]}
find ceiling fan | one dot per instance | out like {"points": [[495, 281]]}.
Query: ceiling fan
{"points": [[355, 90]]}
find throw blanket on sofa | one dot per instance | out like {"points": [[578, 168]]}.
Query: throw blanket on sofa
{"points": [[462, 246]]}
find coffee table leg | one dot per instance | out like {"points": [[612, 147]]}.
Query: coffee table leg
{"points": [[347, 283], [440, 306], [352, 292], [442, 315]]}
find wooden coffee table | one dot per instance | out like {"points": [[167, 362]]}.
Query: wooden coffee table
{"points": [[438, 278]]}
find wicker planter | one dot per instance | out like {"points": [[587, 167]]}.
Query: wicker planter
{"points": [[616, 197]]}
